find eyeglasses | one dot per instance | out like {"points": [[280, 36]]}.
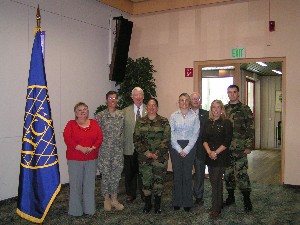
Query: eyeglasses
{"points": [[152, 105], [112, 98], [196, 99]]}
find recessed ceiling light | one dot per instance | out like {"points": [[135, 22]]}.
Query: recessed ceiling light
{"points": [[277, 71], [219, 68], [261, 63]]}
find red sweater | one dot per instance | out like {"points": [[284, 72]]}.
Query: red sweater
{"points": [[87, 137]]}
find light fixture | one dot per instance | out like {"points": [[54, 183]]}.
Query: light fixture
{"points": [[277, 71], [261, 63], [219, 68]]}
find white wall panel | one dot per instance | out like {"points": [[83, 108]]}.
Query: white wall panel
{"points": [[76, 65]]}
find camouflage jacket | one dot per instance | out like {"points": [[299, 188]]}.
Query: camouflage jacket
{"points": [[113, 129], [152, 136], [243, 126]]}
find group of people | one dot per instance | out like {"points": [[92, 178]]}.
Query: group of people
{"points": [[138, 141]]}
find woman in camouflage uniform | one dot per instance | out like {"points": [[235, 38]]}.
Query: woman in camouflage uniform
{"points": [[110, 159], [151, 140]]}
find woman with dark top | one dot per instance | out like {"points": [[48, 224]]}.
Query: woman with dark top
{"points": [[185, 126], [151, 140], [83, 138], [217, 135]]}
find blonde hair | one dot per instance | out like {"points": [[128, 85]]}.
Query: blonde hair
{"points": [[80, 104], [219, 102], [185, 95]]}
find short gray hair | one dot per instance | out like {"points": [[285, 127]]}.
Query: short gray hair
{"points": [[137, 89]]}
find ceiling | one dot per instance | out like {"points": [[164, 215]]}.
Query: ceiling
{"points": [[138, 7], [263, 70]]}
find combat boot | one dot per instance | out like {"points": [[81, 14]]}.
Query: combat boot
{"points": [[247, 201], [148, 205], [107, 203], [230, 199], [157, 203], [115, 203]]}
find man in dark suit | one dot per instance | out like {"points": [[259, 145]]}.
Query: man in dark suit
{"points": [[199, 163], [131, 114]]}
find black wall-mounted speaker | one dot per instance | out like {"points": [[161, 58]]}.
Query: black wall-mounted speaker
{"points": [[120, 50]]}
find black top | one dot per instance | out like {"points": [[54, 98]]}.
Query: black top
{"points": [[217, 133]]}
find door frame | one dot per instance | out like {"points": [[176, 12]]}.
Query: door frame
{"points": [[197, 86]]}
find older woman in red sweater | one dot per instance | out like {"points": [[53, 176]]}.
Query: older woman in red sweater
{"points": [[83, 137]]}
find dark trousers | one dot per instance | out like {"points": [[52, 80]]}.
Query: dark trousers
{"points": [[215, 177], [182, 172], [132, 178], [199, 176]]}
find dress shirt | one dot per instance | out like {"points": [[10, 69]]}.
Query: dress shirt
{"points": [[136, 109], [196, 111], [184, 129]]}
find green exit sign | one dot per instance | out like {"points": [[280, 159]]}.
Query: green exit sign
{"points": [[237, 53]]}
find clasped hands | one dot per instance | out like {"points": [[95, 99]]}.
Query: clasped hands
{"points": [[151, 156], [213, 155], [85, 150], [182, 153]]}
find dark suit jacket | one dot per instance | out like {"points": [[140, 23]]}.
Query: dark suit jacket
{"points": [[200, 153]]}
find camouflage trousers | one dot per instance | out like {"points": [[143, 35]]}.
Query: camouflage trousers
{"points": [[236, 174], [153, 175], [110, 165]]}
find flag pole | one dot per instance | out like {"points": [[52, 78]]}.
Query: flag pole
{"points": [[38, 21]]}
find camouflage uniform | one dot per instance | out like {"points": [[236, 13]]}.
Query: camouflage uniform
{"points": [[110, 159], [152, 136], [243, 137]]}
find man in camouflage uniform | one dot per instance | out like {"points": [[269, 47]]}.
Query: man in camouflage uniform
{"points": [[242, 143], [151, 140]]}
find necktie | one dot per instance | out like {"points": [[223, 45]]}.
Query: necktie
{"points": [[138, 114]]}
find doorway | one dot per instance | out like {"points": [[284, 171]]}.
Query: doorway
{"points": [[214, 88], [255, 92]]}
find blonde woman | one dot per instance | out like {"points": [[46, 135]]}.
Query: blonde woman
{"points": [[185, 126], [217, 135]]}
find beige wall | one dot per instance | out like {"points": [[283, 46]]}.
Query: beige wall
{"points": [[175, 39]]}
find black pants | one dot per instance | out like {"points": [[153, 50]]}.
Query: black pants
{"points": [[199, 176], [132, 177], [215, 177]]}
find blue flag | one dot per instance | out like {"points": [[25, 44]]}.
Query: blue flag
{"points": [[39, 180]]}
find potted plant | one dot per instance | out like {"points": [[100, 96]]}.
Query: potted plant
{"points": [[139, 73]]}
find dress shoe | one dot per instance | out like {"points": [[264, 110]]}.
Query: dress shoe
{"points": [[214, 214], [130, 198], [146, 210], [157, 211], [176, 207], [187, 209], [199, 201]]}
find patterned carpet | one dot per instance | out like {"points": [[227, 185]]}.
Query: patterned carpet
{"points": [[272, 205]]}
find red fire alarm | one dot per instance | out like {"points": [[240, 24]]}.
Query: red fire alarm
{"points": [[189, 72], [271, 26]]}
